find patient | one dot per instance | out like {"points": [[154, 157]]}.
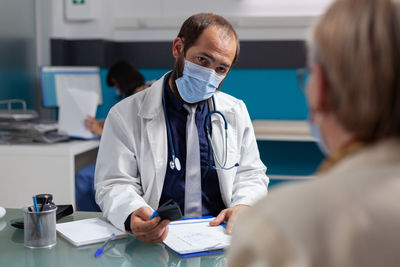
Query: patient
{"points": [[127, 81], [349, 215]]}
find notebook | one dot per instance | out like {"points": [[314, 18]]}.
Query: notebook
{"points": [[88, 231], [193, 237]]}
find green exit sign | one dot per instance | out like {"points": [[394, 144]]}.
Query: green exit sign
{"points": [[78, 2]]}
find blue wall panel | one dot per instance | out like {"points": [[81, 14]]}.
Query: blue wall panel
{"points": [[268, 93], [290, 158], [18, 84]]}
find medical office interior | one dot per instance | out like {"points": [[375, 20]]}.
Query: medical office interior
{"points": [[44, 43]]}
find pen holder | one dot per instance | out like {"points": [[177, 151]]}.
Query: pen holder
{"points": [[40, 227]]}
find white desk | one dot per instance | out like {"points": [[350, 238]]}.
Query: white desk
{"points": [[29, 169]]}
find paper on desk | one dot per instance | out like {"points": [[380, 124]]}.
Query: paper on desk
{"points": [[88, 231], [74, 106], [192, 236]]}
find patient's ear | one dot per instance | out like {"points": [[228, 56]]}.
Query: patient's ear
{"points": [[318, 89]]}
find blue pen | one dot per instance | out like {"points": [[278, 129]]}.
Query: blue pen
{"points": [[100, 250], [37, 210], [155, 214]]}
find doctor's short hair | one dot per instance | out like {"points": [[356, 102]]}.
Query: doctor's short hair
{"points": [[357, 44], [195, 25], [125, 76]]}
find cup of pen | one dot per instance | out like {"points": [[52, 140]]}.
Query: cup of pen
{"points": [[40, 226]]}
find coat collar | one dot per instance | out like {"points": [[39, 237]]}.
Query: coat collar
{"points": [[152, 102]]}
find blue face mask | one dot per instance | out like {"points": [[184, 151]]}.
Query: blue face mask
{"points": [[198, 83], [120, 95], [315, 132]]}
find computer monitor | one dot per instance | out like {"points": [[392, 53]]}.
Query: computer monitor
{"points": [[54, 78]]}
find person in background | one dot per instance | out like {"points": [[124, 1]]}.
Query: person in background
{"points": [[157, 145], [349, 215], [127, 81]]}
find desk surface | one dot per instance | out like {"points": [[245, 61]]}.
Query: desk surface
{"points": [[63, 148], [124, 252]]}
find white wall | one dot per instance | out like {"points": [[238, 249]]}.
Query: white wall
{"points": [[225, 7], [160, 19]]}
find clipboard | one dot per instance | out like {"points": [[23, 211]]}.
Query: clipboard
{"points": [[191, 237]]}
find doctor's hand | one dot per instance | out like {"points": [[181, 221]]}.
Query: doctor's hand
{"points": [[94, 126], [146, 230], [228, 215]]}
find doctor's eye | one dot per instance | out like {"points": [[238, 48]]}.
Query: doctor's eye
{"points": [[202, 60], [221, 70]]}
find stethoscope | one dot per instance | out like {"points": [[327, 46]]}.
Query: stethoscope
{"points": [[175, 162]]}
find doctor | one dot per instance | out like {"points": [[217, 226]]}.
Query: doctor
{"points": [[181, 139]]}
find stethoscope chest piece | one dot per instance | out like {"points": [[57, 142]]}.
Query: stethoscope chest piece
{"points": [[175, 164]]}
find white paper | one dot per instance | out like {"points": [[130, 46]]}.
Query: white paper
{"points": [[191, 236], [88, 231], [84, 81], [74, 106]]}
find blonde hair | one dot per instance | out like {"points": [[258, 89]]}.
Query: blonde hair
{"points": [[357, 43]]}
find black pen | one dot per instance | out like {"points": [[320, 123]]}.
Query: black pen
{"points": [[46, 199]]}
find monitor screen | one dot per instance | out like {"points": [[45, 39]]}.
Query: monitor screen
{"points": [[54, 79]]}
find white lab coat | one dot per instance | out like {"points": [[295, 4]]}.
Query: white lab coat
{"points": [[132, 158]]}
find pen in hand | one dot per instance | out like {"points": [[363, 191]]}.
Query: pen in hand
{"points": [[155, 214], [100, 250]]}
